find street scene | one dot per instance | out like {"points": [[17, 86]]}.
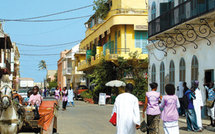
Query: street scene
{"points": [[107, 66]]}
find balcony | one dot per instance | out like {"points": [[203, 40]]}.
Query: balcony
{"points": [[180, 14], [67, 71]]}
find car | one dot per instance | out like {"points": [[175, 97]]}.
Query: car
{"points": [[79, 90], [52, 91]]}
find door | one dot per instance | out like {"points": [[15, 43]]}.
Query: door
{"points": [[209, 76]]}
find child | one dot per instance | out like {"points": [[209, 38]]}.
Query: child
{"points": [[153, 111], [57, 93], [169, 115], [35, 98], [64, 98], [27, 98]]}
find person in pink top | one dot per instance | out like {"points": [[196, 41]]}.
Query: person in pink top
{"points": [[35, 98], [57, 93], [169, 115], [152, 109]]}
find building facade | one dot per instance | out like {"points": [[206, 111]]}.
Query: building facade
{"points": [[121, 32], [51, 75], [181, 42], [74, 78], [61, 79], [9, 59]]}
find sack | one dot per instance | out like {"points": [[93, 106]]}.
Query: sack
{"points": [[143, 127], [113, 119], [185, 102], [209, 104]]}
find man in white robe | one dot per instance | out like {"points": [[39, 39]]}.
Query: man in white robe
{"points": [[127, 111], [198, 104]]}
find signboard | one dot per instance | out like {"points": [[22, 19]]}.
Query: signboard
{"points": [[102, 98]]}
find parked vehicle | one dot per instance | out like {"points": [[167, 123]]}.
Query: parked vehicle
{"points": [[52, 91], [79, 90], [23, 93]]}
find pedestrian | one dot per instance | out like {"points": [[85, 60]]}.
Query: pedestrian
{"points": [[198, 103], [152, 109], [45, 92], [210, 102], [169, 115], [127, 112], [35, 99], [71, 96], [180, 94], [190, 112], [57, 94], [64, 97]]}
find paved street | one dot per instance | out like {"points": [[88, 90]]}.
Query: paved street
{"points": [[93, 119]]}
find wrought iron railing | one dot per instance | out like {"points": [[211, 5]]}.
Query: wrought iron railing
{"points": [[180, 14]]}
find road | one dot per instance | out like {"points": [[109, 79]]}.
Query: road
{"points": [[93, 119]]}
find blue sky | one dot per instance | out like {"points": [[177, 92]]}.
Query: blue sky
{"points": [[43, 33]]}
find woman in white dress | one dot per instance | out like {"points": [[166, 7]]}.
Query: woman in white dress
{"points": [[71, 96]]}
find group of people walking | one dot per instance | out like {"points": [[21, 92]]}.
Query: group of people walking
{"points": [[65, 95], [167, 108]]}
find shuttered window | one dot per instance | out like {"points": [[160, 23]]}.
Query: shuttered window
{"points": [[153, 73], [172, 73], [162, 78], [141, 40], [194, 69]]}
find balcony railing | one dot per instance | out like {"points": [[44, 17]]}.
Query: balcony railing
{"points": [[180, 14], [67, 71]]}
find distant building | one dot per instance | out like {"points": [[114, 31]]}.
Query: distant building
{"points": [[26, 83], [39, 84], [51, 75], [74, 78], [61, 79]]}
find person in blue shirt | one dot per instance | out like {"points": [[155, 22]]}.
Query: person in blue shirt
{"points": [[190, 112], [211, 97]]}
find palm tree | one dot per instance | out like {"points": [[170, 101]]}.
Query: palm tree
{"points": [[43, 66]]}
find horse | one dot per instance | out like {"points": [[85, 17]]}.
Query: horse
{"points": [[10, 120]]}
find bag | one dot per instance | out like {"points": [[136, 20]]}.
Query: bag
{"points": [[113, 119], [185, 102], [143, 127], [209, 104]]}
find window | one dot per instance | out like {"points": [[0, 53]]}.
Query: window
{"points": [[172, 73], [153, 12], [194, 68], [162, 78], [141, 40], [182, 70], [153, 73]]}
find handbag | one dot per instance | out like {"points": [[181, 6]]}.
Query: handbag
{"points": [[143, 126], [209, 103], [113, 119]]}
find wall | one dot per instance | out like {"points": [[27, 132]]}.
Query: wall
{"points": [[204, 53]]}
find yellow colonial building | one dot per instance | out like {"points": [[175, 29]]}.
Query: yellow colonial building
{"points": [[123, 31]]}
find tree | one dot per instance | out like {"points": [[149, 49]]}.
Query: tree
{"points": [[104, 72], [136, 69], [43, 66], [101, 8]]}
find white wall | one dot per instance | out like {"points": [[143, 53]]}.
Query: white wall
{"points": [[204, 53]]}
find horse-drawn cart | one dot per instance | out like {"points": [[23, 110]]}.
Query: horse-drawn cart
{"points": [[47, 121]]}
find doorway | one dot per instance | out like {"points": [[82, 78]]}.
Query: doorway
{"points": [[209, 76]]}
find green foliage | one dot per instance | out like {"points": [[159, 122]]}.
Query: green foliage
{"points": [[136, 69], [101, 8], [52, 84], [103, 73], [87, 94], [42, 65]]}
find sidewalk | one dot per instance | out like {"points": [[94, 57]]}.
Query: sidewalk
{"points": [[204, 121]]}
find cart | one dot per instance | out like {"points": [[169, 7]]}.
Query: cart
{"points": [[47, 123]]}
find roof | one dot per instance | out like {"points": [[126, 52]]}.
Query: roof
{"points": [[26, 79]]}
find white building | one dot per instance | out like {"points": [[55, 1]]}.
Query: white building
{"points": [[26, 83], [181, 42], [73, 77]]}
